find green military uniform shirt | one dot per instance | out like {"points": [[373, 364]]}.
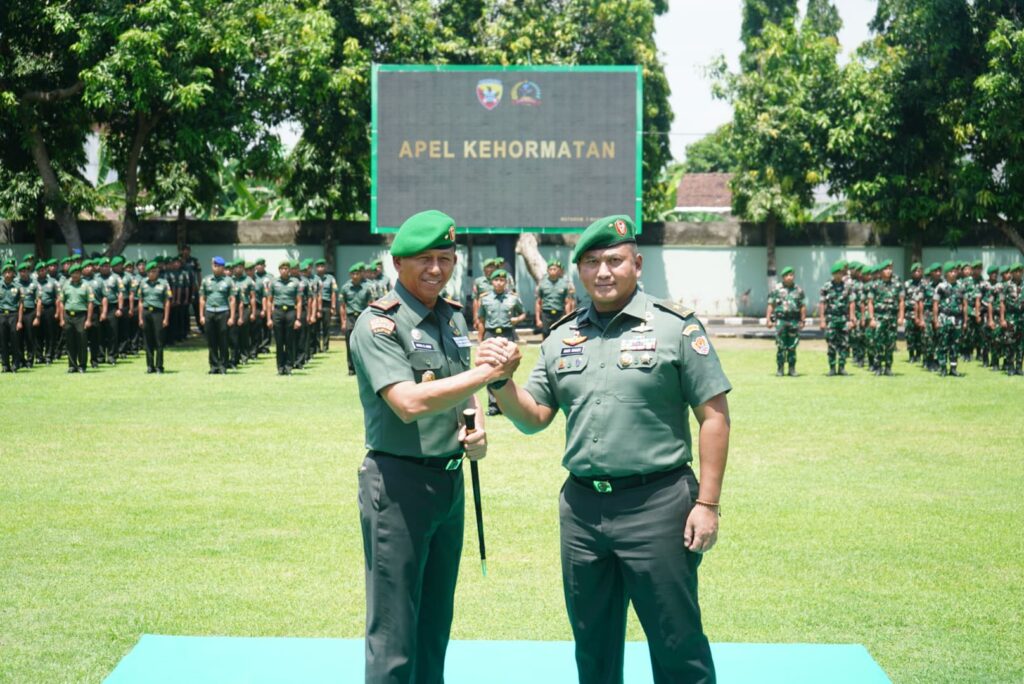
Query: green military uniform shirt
{"points": [[49, 291], [787, 301], [885, 296], [218, 290], [114, 286], [283, 292], [481, 286], [77, 297], [244, 287], [950, 298], [10, 296], [356, 297], [624, 387], [497, 311], [400, 340], [553, 293], [155, 294], [29, 292], [328, 287], [99, 290], [837, 298]]}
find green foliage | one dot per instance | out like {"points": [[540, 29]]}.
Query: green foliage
{"points": [[823, 17], [714, 153], [756, 15]]}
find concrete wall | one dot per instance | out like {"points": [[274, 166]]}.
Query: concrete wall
{"points": [[713, 280]]}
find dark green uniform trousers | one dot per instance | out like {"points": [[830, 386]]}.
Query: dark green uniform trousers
{"points": [[324, 325], [548, 317], [350, 324], [625, 546], [153, 332], [77, 339], [216, 338], [108, 338], [92, 334], [284, 337], [48, 334], [10, 353], [412, 519]]}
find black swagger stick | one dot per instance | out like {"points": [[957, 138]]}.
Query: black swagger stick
{"points": [[474, 469]]}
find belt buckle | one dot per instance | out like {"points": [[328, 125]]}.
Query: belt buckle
{"points": [[284, 308], [453, 464], [72, 313], [602, 486], [498, 330]]}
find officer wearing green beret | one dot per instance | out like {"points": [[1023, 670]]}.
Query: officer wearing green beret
{"points": [[217, 304], [1011, 317], [380, 282], [912, 333], [886, 310], [786, 313], [100, 312], [555, 298], [312, 304], [949, 316], [481, 286], [412, 360], [356, 294], [836, 316], [126, 322], [12, 311], [49, 291], [620, 367], [245, 305], [114, 289], [328, 304], [500, 312], [263, 335], [154, 315], [26, 346], [283, 304], [75, 314]]}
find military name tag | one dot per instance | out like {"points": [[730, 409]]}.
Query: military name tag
{"points": [[423, 346], [463, 341], [571, 351], [639, 344]]}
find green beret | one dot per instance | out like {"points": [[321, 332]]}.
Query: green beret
{"points": [[838, 266], [949, 266], [605, 232], [992, 269], [104, 261], [494, 261], [74, 267], [52, 262], [934, 266], [786, 271], [916, 265], [306, 263], [249, 264], [555, 262], [285, 262], [150, 265], [64, 260], [8, 266], [42, 264], [885, 264], [430, 229], [320, 262], [117, 261], [499, 273], [1017, 266], [358, 266], [28, 257], [294, 263], [977, 263], [376, 263], [24, 266], [260, 262]]}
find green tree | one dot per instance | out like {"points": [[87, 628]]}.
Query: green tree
{"points": [[823, 17], [714, 153], [757, 14]]}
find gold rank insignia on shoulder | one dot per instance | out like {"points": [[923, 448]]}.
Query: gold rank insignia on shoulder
{"points": [[428, 376], [380, 325], [573, 341]]}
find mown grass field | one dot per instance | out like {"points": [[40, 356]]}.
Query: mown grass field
{"points": [[882, 511]]}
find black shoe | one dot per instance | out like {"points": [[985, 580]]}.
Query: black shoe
{"points": [[150, 370], [953, 372], [351, 372], [778, 372], [72, 370], [493, 411], [160, 371], [213, 371], [888, 371], [280, 371], [81, 370], [876, 371], [831, 371], [942, 372], [842, 371]]}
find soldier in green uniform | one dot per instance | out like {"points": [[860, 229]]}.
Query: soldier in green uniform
{"points": [[355, 296], [786, 313], [313, 286], [283, 304], [912, 333], [382, 283], [154, 315], [886, 307], [500, 312], [412, 359], [1011, 317], [193, 271], [857, 351], [634, 522], [969, 339], [555, 298], [100, 311], [986, 288], [262, 280], [481, 286], [12, 311], [836, 316], [114, 288], [245, 291], [301, 334], [126, 321], [923, 316], [49, 291], [217, 304], [75, 313], [328, 303], [949, 315], [30, 317]]}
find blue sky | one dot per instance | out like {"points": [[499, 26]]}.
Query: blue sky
{"points": [[694, 32]]}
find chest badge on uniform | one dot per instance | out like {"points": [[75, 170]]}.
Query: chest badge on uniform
{"points": [[639, 344], [626, 359], [575, 340], [416, 334], [428, 376], [701, 345]]}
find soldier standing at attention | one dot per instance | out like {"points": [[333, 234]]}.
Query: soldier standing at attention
{"points": [[49, 291], [245, 305], [912, 333], [100, 311], [1011, 317], [126, 322], [968, 284], [985, 287], [30, 317], [481, 286], [75, 313], [193, 276], [262, 280], [886, 306], [283, 306], [115, 295], [313, 287], [836, 313], [787, 312], [12, 311], [949, 315], [217, 314], [857, 334], [412, 360], [500, 313], [923, 315], [328, 303], [355, 296], [154, 315], [382, 283], [634, 523], [555, 298]]}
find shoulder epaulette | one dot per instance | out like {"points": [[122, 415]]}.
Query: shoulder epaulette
{"points": [[385, 304], [454, 304], [567, 317], [675, 308]]}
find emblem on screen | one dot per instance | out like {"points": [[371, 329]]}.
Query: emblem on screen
{"points": [[488, 91], [526, 93]]}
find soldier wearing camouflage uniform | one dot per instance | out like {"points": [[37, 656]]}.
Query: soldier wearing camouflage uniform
{"points": [[913, 334], [857, 333], [886, 303], [985, 287], [1011, 317], [787, 312], [923, 316], [949, 314], [972, 329], [836, 315]]}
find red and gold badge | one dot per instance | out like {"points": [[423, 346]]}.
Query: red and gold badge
{"points": [[620, 227]]}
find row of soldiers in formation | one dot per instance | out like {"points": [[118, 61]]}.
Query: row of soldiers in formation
{"points": [[953, 311], [104, 309]]}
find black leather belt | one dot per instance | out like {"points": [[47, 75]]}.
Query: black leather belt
{"points": [[607, 485], [151, 309], [7, 311], [451, 463]]}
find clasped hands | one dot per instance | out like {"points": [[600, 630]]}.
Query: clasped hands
{"points": [[502, 354]]}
